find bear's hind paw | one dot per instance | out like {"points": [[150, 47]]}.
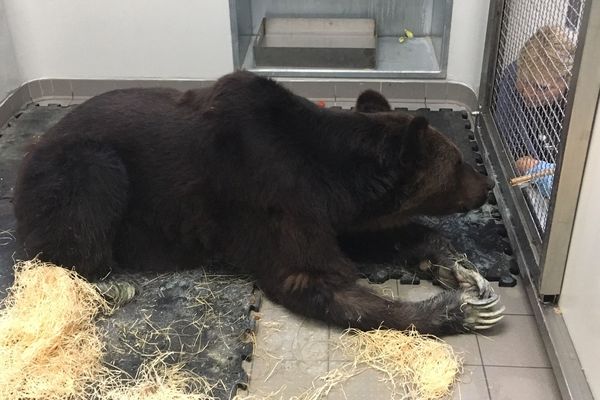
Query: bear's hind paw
{"points": [[117, 293]]}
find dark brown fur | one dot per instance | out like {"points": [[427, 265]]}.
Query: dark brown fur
{"points": [[248, 173]]}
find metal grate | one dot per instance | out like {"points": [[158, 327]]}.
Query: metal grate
{"points": [[537, 44]]}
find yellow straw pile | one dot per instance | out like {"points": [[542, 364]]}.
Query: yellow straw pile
{"points": [[420, 366], [49, 346], [415, 366]]}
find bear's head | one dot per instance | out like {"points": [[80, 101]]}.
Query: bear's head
{"points": [[439, 181]]}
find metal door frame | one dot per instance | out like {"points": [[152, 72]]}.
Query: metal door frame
{"points": [[579, 120]]}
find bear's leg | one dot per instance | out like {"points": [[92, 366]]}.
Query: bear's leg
{"points": [[302, 268], [342, 302], [69, 201]]}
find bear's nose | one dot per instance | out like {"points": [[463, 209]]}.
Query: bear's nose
{"points": [[490, 183]]}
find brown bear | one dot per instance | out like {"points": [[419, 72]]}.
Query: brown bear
{"points": [[247, 173]]}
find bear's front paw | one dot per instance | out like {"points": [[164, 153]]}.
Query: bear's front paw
{"points": [[480, 313]]}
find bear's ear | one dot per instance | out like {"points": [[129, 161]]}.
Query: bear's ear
{"points": [[371, 101], [413, 138], [418, 124]]}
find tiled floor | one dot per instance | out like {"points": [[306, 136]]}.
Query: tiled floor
{"points": [[508, 363]]}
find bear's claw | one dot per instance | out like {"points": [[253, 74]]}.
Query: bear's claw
{"points": [[486, 302], [478, 313]]}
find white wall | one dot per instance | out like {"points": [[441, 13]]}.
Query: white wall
{"points": [[467, 40], [580, 296], [10, 77], [171, 39], [121, 38]]}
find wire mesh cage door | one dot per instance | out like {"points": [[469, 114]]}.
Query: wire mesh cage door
{"points": [[539, 59], [533, 73]]}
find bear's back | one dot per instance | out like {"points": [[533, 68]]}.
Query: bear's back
{"points": [[128, 115]]}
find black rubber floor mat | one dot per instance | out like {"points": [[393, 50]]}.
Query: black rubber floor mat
{"points": [[202, 317], [480, 234]]}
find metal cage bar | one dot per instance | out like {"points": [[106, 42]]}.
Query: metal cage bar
{"points": [[533, 73]]}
